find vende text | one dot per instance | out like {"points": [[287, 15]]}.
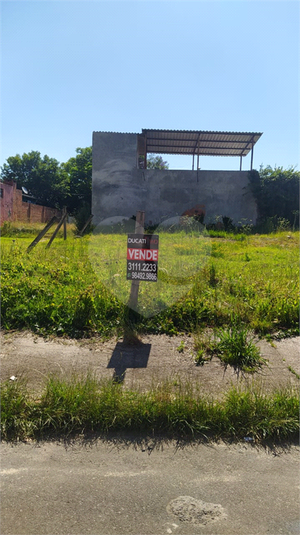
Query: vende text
{"points": [[142, 254]]}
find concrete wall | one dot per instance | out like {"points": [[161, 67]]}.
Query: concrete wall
{"points": [[120, 188]]}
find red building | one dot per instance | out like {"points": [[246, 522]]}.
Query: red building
{"points": [[13, 207]]}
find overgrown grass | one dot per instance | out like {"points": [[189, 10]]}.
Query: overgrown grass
{"points": [[234, 346], [21, 229], [83, 405], [58, 290]]}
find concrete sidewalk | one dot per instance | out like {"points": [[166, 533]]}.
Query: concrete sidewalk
{"points": [[140, 488], [157, 359]]}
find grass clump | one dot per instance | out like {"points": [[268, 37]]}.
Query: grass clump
{"points": [[83, 405], [232, 345], [235, 349], [16, 410], [180, 348], [204, 345]]}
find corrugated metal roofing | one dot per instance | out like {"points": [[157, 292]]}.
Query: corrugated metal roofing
{"points": [[200, 142]]}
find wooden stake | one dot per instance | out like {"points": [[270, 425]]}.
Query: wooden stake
{"points": [[64, 217], [83, 229], [42, 233], [65, 222]]}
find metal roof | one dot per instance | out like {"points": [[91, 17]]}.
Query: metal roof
{"points": [[200, 142]]}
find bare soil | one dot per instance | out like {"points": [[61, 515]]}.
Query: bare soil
{"points": [[142, 365]]}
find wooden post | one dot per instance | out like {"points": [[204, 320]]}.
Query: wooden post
{"points": [[134, 292], [85, 226], [64, 216], [41, 234], [65, 222]]}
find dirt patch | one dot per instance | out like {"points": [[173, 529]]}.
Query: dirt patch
{"points": [[189, 509], [153, 361]]}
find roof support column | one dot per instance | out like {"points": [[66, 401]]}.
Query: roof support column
{"points": [[193, 166], [251, 167], [196, 148], [240, 162]]}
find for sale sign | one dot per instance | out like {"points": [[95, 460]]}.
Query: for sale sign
{"points": [[142, 257]]}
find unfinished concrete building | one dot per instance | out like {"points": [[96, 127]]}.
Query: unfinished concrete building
{"points": [[122, 184]]}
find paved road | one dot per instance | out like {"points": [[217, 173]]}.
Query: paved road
{"points": [[117, 487]]}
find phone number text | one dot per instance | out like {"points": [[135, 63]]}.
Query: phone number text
{"points": [[142, 266]]}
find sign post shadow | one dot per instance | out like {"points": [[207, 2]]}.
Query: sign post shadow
{"points": [[128, 356]]}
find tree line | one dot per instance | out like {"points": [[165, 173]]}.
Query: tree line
{"points": [[69, 184], [52, 183], [276, 192]]}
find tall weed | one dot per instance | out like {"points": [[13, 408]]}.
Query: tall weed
{"points": [[82, 405]]}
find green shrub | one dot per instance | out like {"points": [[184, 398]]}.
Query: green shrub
{"points": [[276, 192]]}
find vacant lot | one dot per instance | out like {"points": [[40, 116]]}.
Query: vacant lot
{"points": [[225, 331], [78, 288]]}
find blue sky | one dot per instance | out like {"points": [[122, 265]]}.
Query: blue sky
{"points": [[69, 68]]}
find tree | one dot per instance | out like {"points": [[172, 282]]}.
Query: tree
{"points": [[276, 192], [156, 162], [40, 176], [51, 183], [77, 173]]}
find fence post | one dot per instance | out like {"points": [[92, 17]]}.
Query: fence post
{"points": [[80, 234], [42, 233], [57, 229], [65, 222]]}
